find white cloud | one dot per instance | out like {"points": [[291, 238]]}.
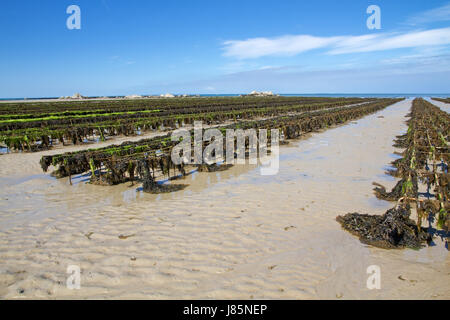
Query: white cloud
{"points": [[383, 42], [267, 67], [286, 45], [437, 61], [290, 45], [434, 15]]}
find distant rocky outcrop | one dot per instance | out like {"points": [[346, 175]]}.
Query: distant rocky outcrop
{"points": [[77, 96], [261, 94], [189, 95], [133, 96]]}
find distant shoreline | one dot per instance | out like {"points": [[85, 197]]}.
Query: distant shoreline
{"points": [[362, 95]]}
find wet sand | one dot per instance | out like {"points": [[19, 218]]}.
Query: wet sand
{"points": [[232, 234], [444, 106]]}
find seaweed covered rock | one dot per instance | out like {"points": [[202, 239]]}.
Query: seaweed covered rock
{"points": [[151, 186], [394, 229]]}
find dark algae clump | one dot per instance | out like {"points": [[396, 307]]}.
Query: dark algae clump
{"points": [[394, 229]]}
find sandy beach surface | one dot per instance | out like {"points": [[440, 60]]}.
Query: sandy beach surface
{"points": [[444, 106], [233, 234]]}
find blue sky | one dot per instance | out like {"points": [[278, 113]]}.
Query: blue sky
{"points": [[149, 47]]}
